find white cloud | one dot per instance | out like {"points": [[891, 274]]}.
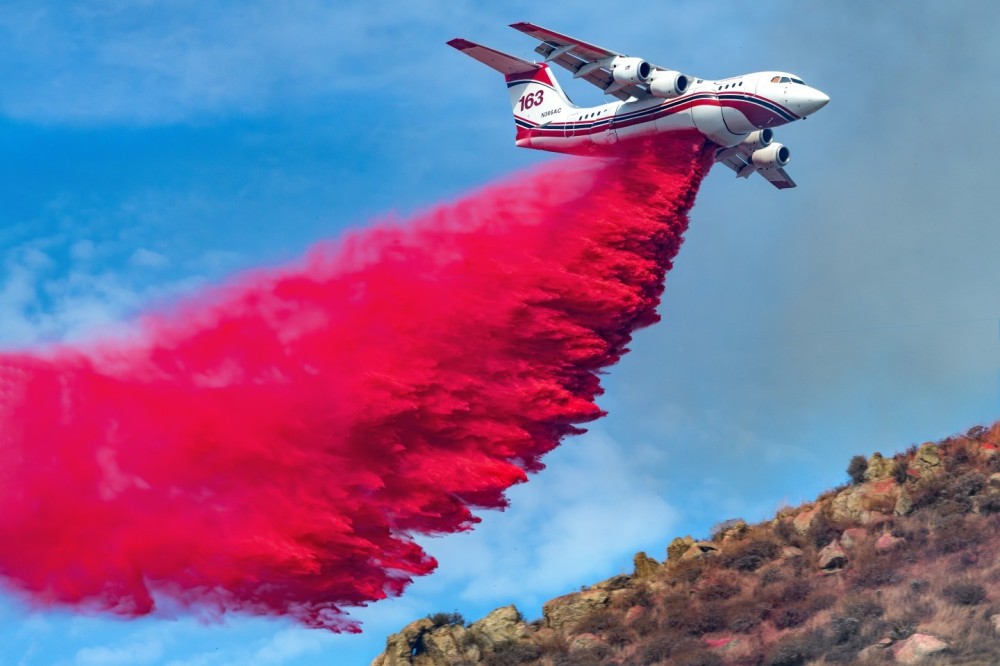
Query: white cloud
{"points": [[584, 516], [143, 258], [290, 644], [132, 654], [148, 63]]}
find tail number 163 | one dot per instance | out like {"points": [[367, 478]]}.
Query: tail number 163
{"points": [[532, 99]]}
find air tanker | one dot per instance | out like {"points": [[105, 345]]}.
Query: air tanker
{"points": [[737, 114]]}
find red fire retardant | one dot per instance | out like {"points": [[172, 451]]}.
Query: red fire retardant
{"points": [[271, 446]]}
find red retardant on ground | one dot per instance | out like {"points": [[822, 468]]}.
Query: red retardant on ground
{"points": [[269, 447]]}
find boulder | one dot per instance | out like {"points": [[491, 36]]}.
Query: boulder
{"points": [[565, 612], [887, 542], [852, 536], [448, 645], [879, 468], [645, 566], [995, 621], [678, 547], [832, 557], [927, 459], [701, 549], [732, 530], [865, 503], [503, 624], [994, 484], [917, 648], [399, 647], [584, 642], [791, 551], [904, 504], [634, 613], [804, 520]]}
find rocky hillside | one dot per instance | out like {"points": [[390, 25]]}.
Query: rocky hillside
{"points": [[900, 566]]}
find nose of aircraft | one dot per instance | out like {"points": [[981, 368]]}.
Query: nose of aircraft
{"points": [[806, 101]]}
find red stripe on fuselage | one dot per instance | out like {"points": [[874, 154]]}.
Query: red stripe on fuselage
{"points": [[580, 128]]}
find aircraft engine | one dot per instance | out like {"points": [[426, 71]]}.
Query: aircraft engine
{"points": [[668, 83], [771, 157], [759, 139], [630, 70]]}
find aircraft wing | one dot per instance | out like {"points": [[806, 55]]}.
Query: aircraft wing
{"points": [[582, 59], [739, 161]]}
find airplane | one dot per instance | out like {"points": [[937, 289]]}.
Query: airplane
{"points": [[737, 114]]}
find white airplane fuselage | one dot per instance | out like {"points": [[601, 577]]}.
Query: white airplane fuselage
{"points": [[725, 111]]}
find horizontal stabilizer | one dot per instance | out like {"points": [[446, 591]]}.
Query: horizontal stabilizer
{"points": [[502, 62]]}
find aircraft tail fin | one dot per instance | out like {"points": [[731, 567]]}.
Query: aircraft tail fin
{"points": [[536, 98]]}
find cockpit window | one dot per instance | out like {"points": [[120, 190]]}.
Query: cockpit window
{"points": [[799, 81], [775, 79]]}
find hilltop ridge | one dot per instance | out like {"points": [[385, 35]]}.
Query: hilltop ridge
{"points": [[898, 566]]}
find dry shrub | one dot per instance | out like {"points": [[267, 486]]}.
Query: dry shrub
{"points": [[593, 656], [793, 591], [863, 608], [771, 576], [790, 617], [856, 469], [687, 572], [899, 468], [698, 657], [640, 595], [990, 505], [821, 602], [657, 650], [955, 534], [744, 616], [785, 530], [718, 589], [512, 653], [709, 618], [823, 530], [875, 572], [965, 593], [645, 624], [599, 622], [751, 555], [797, 650]]}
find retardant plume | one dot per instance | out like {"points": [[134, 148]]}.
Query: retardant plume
{"points": [[271, 447]]}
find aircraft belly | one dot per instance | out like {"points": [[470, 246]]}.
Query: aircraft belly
{"points": [[736, 122], [710, 122], [680, 120]]}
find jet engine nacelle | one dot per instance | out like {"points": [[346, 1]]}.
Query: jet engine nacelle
{"points": [[630, 71], [668, 83], [771, 157], [759, 139]]}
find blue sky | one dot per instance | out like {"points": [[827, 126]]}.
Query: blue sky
{"points": [[152, 147]]}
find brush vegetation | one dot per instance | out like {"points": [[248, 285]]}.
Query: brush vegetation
{"points": [[900, 565]]}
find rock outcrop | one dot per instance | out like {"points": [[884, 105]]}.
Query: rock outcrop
{"points": [[816, 584], [917, 648], [645, 566], [566, 612]]}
